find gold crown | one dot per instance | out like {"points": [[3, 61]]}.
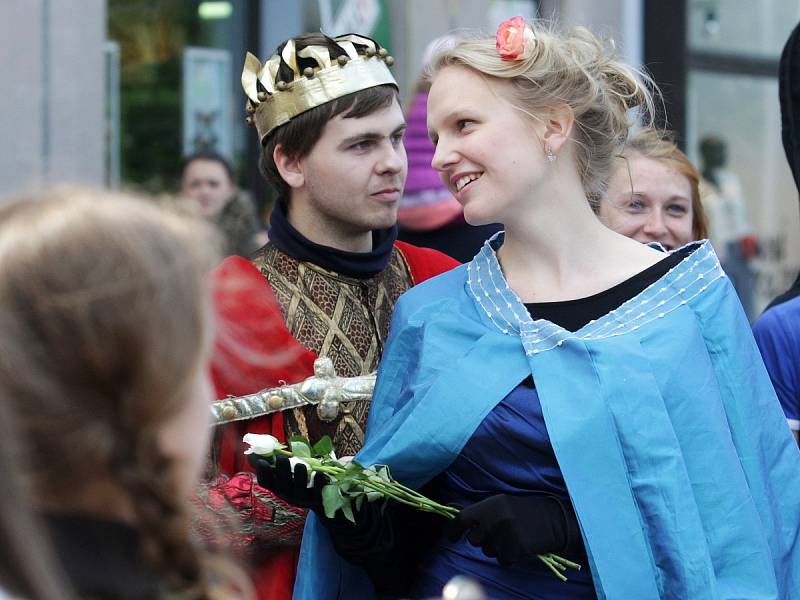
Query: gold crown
{"points": [[273, 102]]}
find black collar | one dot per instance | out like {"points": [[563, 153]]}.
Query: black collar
{"points": [[101, 558], [361, 265]]}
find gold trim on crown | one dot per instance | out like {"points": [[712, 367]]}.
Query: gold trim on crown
{"points": [[273, 103]]}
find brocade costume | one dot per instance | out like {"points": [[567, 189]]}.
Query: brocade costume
{"points": [[296, 301], [344, 318]]}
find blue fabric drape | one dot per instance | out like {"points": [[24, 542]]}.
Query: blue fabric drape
{"points": [[670, 439]]}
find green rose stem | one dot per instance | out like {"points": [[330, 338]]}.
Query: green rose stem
{"points": [[405, 495], [395, 490]]}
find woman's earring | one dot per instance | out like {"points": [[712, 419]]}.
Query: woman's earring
{"points": [[548, 153]]}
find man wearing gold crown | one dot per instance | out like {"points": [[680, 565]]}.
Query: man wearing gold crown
{"points": [[331, 127]]}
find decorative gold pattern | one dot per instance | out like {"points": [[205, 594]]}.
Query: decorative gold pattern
{"points": [[277, 102], [343, 318]]}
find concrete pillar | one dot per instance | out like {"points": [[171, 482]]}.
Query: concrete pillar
{"points": [[51, 114]]}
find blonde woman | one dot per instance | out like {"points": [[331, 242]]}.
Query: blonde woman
{"points": [[573, 390], [105, 330], [654, 193]]}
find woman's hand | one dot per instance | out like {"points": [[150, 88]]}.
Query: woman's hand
{"points": [[512, 528]]}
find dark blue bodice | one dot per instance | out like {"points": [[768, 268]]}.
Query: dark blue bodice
{"points": [[509, 453]]}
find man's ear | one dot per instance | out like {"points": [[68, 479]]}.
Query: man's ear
{"points": [[558, 126], [290, 168]]}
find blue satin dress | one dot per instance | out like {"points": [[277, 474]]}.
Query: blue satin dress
{"points": [[680, 465], [509, 453]]}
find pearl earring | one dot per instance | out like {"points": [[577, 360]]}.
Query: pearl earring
{"points": [[548, 153]]}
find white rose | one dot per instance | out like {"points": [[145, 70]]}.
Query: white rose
{"points": [[264, 445]]}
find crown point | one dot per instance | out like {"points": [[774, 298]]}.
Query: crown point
{"points": [[370, 52], [281, 85], [382, 53], [262, 96], [389, 60], [308, 72], [342, 60], [249, 120]]}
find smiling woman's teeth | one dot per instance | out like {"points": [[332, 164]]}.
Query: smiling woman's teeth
{"points": [[465, 180]]}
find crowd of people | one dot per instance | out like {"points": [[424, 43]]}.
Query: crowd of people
{"points": [[585, 384]]}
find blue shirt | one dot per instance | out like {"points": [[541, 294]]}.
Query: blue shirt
{"points": [[777, 334]]}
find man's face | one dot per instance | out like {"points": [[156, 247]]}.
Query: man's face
{"points": [[353, 178], [207, 183]]}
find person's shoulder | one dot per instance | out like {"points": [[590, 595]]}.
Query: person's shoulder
{"points": [[237, 266], [425, 262], [789, 308], [433, 292], [784, 316]]}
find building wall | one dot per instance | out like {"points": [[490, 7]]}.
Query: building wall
{"points": [[428, 20], [620, 20], [424, 21], [51, 111]]}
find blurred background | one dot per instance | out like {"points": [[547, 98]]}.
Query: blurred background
{"points": [[116, 92]]}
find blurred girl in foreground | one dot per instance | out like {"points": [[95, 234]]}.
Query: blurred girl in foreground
{"points": [[105, 330]]}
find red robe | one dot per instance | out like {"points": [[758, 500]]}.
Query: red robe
{"points": [[250, 319]]}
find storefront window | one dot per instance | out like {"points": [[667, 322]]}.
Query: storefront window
{"points": [[741, 26], [732, 107], [170, 50], [742, 113]]}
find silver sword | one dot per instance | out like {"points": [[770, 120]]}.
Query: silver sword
{"points": [[324, 389]]}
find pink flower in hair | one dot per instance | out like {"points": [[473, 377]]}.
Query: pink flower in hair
{"points": [[514, 38]]}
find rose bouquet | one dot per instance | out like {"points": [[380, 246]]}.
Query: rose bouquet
{"points": [[350, 484]]}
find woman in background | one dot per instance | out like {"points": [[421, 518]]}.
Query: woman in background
{"points": [[654, 193]]}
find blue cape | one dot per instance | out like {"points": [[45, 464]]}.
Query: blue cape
{"points": [[671, 441]]}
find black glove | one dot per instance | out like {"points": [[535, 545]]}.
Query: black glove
{"points": [[511, 528], [276, 475], [388, 541]]}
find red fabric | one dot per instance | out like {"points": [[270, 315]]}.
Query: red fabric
{"points": [[274, 577], [254, 350], [275, 570], [750, 247], [425, 262]]}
